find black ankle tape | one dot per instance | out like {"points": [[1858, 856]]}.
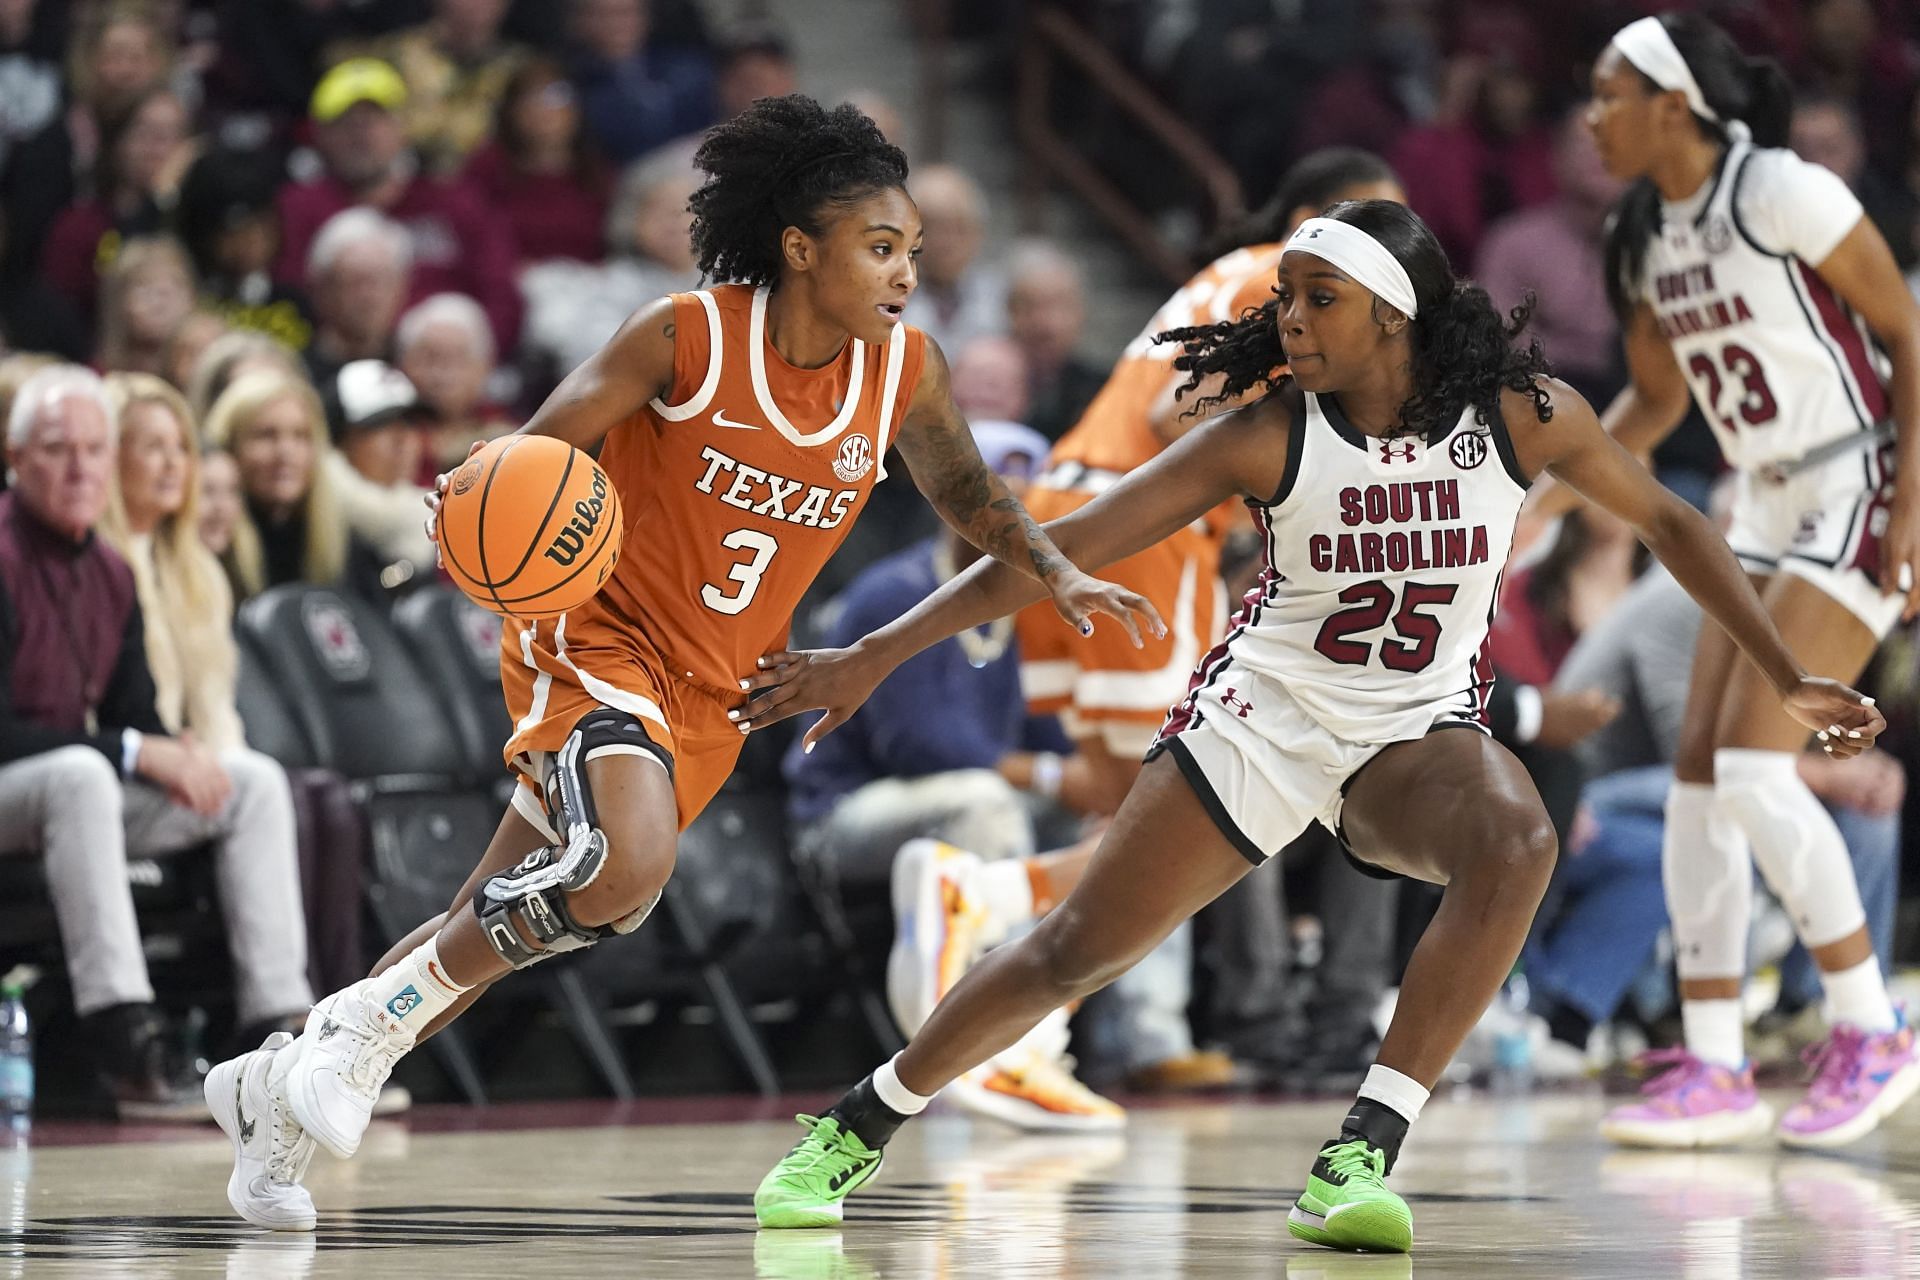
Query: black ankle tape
{"points": [[868, 1118], [1379, 1125]]}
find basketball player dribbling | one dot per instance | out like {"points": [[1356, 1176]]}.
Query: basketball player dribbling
{"points": [[1751, 279], [743, 426], [1385, 471]]}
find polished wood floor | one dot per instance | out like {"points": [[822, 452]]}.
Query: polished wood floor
{"points": [[1500, 1187]]}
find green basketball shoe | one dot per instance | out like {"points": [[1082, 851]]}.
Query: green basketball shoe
{"points": [[1347, 1205], [810, 1186]]}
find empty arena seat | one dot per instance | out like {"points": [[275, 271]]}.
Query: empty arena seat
{"points": [[270, 723], [457, 644]]}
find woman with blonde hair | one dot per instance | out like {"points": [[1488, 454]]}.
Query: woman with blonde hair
{"points": [[291, 528], [228, 356], [144, 298]]}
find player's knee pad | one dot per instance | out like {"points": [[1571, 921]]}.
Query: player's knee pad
{"points": [[1795, 842], [1709, 884]]}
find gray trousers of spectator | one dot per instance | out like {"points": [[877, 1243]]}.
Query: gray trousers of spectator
{"points": [[72, 807], [1138, 1022]]}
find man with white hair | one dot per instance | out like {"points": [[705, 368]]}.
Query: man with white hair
{"points": [[358, 272], [89, 775], [959, 298], [447, 351]]}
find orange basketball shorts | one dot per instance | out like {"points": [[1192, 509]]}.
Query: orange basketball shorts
{"points": [[1100, 685], [554, 671]]}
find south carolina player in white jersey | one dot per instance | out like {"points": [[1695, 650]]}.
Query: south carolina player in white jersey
{"points": [[1388, 477], [1751, 278]]}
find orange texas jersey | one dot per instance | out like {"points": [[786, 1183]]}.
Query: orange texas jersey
{"points": [[742, 481], [1114, 434]]}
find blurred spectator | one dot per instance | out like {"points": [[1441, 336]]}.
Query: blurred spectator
{"points": [[1553, 251], [574, 307], [1845, 54], [753, 63], [358, 273], [1826, 131], [458, 244], [32, 316], [229, 356], [447, 351], [885, 116], [188, 342], [14, 372], [541, 171], [1547, 605], [636, 94], [226, 218], [375, 415], [290, 527], [32, 34], [1484, 154], [147, 294], [959, 298], [119, 54], [1046, 315], [142, 155], [93, 772], [220, 502], [990, 379], [271, 52], [1366, 102], [456, 67]]}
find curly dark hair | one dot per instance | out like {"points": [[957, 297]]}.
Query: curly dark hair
{"points": [[1463, 349], [783, 162]]}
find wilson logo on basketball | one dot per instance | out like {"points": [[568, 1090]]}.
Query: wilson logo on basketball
{"points": [[855, 460], [465, 478], [577, 532], [1468, 450]]}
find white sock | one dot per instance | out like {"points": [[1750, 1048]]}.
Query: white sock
{"points": [[887, 1088], [1006, 891], [1390, 1088], [1858, 997], [1715, 1032], [415, 991]]}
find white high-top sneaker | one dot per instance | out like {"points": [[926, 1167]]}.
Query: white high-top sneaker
{"points": [[346, 1054], [270, 1150], [937, 926]]}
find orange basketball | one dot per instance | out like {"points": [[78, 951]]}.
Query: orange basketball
{"points": [[530, 527]]}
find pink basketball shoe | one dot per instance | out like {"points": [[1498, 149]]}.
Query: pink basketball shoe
{"points": [[1858, 1080], [1694, 1103]]}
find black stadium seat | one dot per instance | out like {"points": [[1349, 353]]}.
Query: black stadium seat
{"points": [[457, 644], [270, 723]]}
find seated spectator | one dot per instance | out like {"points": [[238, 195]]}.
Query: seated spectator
{"points": [[990, 379], [31, 85], [446, 349], [189, 341], [1553, 251], [541, 172], [14, 372], [574, 307], [458, 244], [225, 217], [636, 93], [358, 274], [1545, 606], [456, 67], [226, 358], [93, 772], [1046, 317], [290, 527], [959, 298], [1827, 132], [220, 502], [375, 415], [146, 296], [142, 155]]}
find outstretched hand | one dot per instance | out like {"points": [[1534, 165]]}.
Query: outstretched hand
{"points": [[1845, 721], [1078, 597], [790, 682]]}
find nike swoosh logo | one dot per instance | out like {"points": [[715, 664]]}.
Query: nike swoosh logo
{"points": [[720, 419], [845, 1176]]}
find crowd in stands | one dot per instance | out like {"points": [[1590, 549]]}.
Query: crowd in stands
{"points": [[268, 266]]}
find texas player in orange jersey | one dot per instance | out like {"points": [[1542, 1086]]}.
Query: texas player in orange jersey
{"points": [[1112, 695], [743, 425]]}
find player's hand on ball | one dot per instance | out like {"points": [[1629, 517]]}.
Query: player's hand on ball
{"points": [[438, 494], [789, 683], [1845, 722], [1078, 597]]}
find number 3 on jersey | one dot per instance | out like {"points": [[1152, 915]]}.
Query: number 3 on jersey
{"points": [[747, 572]]}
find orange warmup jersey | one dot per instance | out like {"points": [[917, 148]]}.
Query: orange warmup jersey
{"points": [[1103, 687], [737, 487]]}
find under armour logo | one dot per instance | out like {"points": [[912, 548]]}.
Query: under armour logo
{"points": [[1233, 702], [1403, 452], [1313, 234]]}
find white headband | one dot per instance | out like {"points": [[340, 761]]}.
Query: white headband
{"points": [[1648, 46], [1360, 256]]}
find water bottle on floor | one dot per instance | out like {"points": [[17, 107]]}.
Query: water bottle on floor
{"points": [[16, 1057]]}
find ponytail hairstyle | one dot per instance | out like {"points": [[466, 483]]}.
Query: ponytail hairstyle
{"points": [[1463, 350], [1753, 91], [1313, 182], [783, 162]]}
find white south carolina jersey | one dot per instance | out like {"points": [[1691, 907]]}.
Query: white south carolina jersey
{"points": [[1383, 570], [1776, 361]]}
